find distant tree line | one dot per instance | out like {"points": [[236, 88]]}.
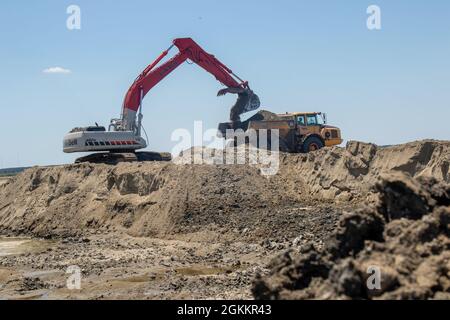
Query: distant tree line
{"points": [[11, 171]]}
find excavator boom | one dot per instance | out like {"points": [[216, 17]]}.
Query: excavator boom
{"points": [[188, 49]]}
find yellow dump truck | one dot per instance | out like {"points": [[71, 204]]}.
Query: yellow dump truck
{"points": [[297, 131]]}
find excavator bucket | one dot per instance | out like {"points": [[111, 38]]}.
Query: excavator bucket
{"points": [[253, 103], [247, 101]]}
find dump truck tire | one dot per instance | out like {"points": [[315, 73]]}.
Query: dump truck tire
{"points": [[312, 144]]}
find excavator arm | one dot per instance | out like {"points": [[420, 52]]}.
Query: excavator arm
{"points": [[188, 49]]}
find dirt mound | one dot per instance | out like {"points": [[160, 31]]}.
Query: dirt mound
{"points": [[351, 172], [208, 201], [148, 199], [264, 115], [404, 239]]}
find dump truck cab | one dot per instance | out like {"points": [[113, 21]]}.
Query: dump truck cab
{"points": [[313, 124]]}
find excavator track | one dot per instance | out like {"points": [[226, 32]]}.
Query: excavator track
{"points": [[113, 158]]}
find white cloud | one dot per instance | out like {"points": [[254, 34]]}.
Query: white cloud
{"points": [[56, 70]]}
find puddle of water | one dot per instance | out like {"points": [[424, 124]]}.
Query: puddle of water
{"points": [[136, 279], [39, 295], [201, 271], [17, 246], [42, 273], [8, 248]]}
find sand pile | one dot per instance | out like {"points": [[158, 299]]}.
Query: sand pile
{"points": [[351, 172], [405, 239], [225, 201], [149, 199]]}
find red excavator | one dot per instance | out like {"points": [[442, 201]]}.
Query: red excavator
{"points": [[124, 135]]}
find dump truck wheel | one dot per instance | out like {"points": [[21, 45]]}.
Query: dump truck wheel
{"points": [[312, 144]]}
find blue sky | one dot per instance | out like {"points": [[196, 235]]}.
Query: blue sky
{"points": [[388, 86]]}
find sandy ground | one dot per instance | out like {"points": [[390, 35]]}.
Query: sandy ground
{"points": [[117, 266], [131, 268], [172, 231], [3, 180]]}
